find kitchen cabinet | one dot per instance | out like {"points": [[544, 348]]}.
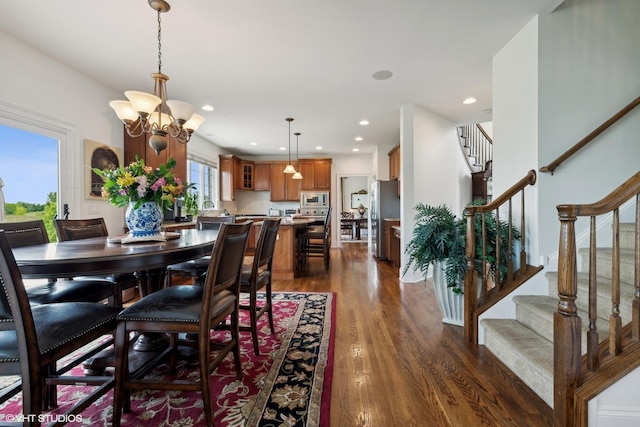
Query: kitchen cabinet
{"points": [[246, 175], [139, 146], [261, 177], [388, 236], [316, 174], [235, 174], [394, 162], [283, 187]]}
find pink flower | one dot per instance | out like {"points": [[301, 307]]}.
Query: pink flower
{"points": [[158, 184]]}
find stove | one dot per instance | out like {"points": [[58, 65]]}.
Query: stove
{"points": [[318, 214]]}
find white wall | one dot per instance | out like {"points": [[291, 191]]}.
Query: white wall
{"points": [[432, 170]]}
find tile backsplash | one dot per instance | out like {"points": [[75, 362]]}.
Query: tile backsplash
{"points": [[256, 202]]}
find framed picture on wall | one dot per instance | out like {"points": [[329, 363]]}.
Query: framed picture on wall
{"points": [[358, 199], [101, 156]]}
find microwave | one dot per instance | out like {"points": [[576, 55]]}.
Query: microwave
{"points": [[317, 199]]}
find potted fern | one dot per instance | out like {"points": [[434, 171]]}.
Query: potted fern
{"points": [[439, 241]]}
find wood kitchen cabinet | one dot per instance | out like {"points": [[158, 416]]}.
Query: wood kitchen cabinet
{"points": [[235, 174], [261, 174], [316, 174], [388, 236], [394, 162], [283, 187], [246, 175], [139, 146]]}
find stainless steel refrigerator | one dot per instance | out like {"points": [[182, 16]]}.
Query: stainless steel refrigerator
{"points": [[383, 203]]}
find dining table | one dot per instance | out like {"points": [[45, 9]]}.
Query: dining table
{"points": [[107, 255]]}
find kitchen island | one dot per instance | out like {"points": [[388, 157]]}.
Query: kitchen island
{"points": [[284, 254]]}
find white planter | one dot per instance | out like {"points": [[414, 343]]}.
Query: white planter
{"points": [[451, 305]]}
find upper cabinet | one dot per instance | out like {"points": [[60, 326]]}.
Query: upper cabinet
{"points": [[261, 177], [139, 146], [316, 174], [394, 162], [283, 187], [228, 177]]}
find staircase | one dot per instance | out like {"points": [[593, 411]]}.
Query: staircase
{"points": [[477, 148], [525, 344]]}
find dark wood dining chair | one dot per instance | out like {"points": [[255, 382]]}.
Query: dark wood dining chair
{"points": [[194, 268], [315, 242], [35, 341], [190, 310], [28, 233], [75, 229], [257, 276]]}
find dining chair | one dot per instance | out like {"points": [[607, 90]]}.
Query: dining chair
{"points": [[192, 269], [34, 232], [36, 342], [346, 224], [315, 242], [75, 229], [257, 276], [192, 311]]}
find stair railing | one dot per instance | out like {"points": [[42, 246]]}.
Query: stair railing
{"points": [[475, 143], [494, 287], [568, 360], [584, 141]]}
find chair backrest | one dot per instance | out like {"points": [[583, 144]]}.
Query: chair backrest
{"points": [[327, 220], [265, 245], [76, 229], [226, 263], [25, 233], [213, 222], [15, 310]]}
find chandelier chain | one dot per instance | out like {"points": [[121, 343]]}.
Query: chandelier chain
{"points": [[159, 43]]}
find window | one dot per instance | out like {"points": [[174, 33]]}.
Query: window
{"points": [[205, 177]]}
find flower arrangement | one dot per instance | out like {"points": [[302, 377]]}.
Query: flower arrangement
{"points": [[140, 183]]}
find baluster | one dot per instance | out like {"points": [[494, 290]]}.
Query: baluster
{"points": [[567, 325], [593, 354], [615, 323], [484, 266], [510, 275], [498, 273], [635, 313], [470, 281], [523, 252]]}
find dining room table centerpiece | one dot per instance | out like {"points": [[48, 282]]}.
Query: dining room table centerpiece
{"points": [[146, 192]]}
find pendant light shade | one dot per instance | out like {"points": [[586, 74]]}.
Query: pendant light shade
{"points": [[289, 168], [297, 174]]}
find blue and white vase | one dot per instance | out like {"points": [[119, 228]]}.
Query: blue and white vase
{"points": [[144, 222]]}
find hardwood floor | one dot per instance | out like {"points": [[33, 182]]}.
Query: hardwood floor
{"points": [[397, 364]]}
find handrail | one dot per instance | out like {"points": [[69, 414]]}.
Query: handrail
{"points": [[584, 141], [484, 133], [492, 290], [568, 358]]}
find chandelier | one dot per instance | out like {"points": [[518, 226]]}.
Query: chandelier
{"points": [[152, 113], [297, 174], [289, 168]]}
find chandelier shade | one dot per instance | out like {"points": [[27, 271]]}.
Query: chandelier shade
{"points": [[289, 168], [153, 113]]}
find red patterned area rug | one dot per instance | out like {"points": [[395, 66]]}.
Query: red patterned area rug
{"points": [[289, 384]]}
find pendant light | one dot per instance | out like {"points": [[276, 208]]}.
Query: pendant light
{"points": [[289, 168], [153, 113], [297, 174]]}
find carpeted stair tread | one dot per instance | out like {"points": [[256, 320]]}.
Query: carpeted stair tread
{"points": [[603, 262], [627, 234], [604, 295], [536, 313], [527, 354]]}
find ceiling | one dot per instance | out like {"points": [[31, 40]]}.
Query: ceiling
{"points": [[258, 62]]}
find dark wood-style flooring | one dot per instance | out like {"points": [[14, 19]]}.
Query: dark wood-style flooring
{"points": [[397, 364]]}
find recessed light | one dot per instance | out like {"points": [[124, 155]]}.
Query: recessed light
{"points": [[318, 147], [282, 148], [364, 122], [253, 143], [359, 138], [355, 149], [207, 108], [469, 101], [382, 75]]}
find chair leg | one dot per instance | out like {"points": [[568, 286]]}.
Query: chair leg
{"points": [[254, 321], [235, 336], [120, 395], [204, 350], [269, 305]]}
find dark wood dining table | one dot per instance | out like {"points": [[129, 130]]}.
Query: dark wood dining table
{"points": [[105, 255]]}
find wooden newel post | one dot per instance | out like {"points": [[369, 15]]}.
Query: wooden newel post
{"points": [[567, 359], [470, 281]]}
